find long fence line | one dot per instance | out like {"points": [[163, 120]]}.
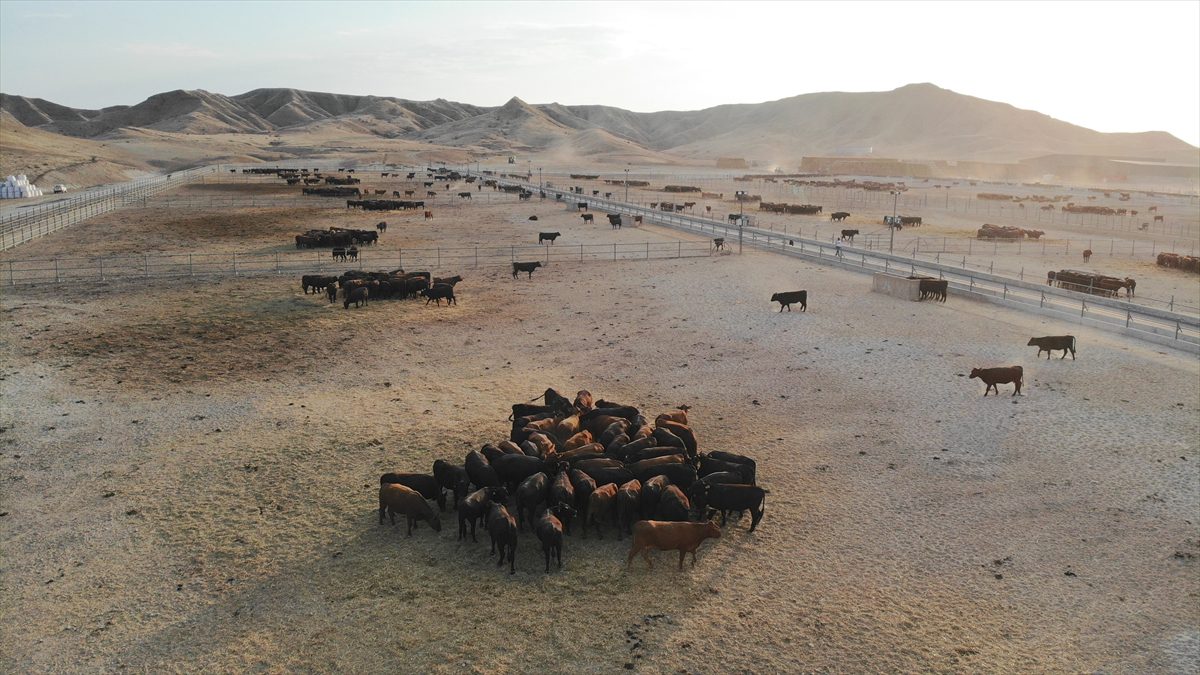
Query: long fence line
{"points": [[1156, 325], [32, 222], [439, 260]]}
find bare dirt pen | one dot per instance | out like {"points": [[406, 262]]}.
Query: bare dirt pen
{"points": [[191, 469]]}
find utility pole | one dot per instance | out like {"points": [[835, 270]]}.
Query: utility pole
{"points": [[626, 182], [892, 238], [741, 217]]}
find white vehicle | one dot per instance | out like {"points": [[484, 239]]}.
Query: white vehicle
{"points": [[60, 188]]}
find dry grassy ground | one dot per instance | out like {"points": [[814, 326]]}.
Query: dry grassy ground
{"points": [[191, 472]]}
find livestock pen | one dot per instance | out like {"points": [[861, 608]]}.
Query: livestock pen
{"points": [[201, 264]]}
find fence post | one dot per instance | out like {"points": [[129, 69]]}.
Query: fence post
{"points": [[1177, 329], [1170, 305], [476, 257], [10, 273], [1128, 318], [614, 251], [400, 254], [439, 258], [1082, 307], [1042, 302], [1005, 295], [678, 249], [277, 262], [56, 270], [235, 272], [191, 271]]}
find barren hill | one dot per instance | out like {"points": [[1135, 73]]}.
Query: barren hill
{"points": [[919, 121]]}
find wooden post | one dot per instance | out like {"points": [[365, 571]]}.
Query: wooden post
{"points": [[56, 270]]}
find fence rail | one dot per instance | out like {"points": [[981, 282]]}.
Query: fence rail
{"points": [[1157, 325], [440, 260], [26, 224]]}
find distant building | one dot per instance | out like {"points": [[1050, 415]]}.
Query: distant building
{"points": [[731, 163], [18, 187]]}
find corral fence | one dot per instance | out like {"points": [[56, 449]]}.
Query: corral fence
{"points": [[1162, 326], [28, 223], [439, 260]]}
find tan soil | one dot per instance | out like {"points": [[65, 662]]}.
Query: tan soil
{"points": [[912, 525]]}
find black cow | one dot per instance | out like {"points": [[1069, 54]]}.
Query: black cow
{"points": [[587, 217], [548, 236], [726, 498], [481, 472], [614, 219], [787, 298], [452, 477], [464, 195], [316, 282], [381, 226], [525, 267], [1051, 342], [531, 492], [934, 288], [356, 295], [331, 292], [581, 206], [839, 216], [439, 292], [549, 528], [502, 529], [751, 468], [475, 505], [849, 235]]}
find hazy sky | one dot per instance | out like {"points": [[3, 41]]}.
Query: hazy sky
{"points": [[1110, 66]]}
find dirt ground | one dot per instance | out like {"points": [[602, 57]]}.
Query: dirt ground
{"points": [[191, 470]]}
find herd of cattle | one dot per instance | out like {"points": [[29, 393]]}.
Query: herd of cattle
{"points": [[591, 464], [1174, 261], [793, 209], [335, 236], [358, 287], [1007, 232], [1086, 282]]}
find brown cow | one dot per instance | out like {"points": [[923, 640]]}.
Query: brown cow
{"points": [[429, 215], [996, 376], [577, 441], [670, 536], [587, 217], [601, 505], [1087, 254], [394, 498]]}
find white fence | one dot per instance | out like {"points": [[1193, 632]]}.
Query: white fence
{"points": [[1157, 325], [439, 260], [31, 222]]}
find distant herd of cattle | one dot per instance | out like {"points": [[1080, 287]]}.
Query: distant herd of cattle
{"points": [[1095, 284], [359, 287], [591, 464], [1175, 261], [1007, 232]]}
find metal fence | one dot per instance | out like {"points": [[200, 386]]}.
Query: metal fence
{"points": [[1162, 326], [28, 223], [440, 260]]}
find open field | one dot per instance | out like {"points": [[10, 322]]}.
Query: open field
{"points": [[191, 467]]}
